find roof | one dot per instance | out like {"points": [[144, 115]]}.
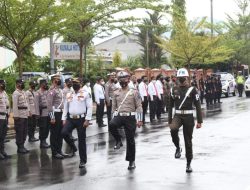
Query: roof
{"points": [[114, 38]]}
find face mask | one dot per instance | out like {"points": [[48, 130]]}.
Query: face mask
{"points": [[153, 80], [115, 81], [46, 87], [145, 80], [76, 87], [22, 86], [69, 85], [123, 84], [2, 86], [33, 87], [102, 83], [59, 82], [112, 80], [88, 84], [182, 80]]}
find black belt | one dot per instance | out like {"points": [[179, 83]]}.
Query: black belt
{"points": [[2, 113], [22, 108], [45, 107], [7, 107]]}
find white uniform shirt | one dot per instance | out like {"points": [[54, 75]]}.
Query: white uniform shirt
{"points": [[117, 85], [159, 86], [152, 90], [143, 90], [77, 104], [87, 88], [131, 85], [99, 93]]}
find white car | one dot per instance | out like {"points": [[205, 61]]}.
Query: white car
{"points": [[228, 83], [247, 87]]}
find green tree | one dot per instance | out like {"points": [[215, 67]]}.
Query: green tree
{"points": [[133, 63], [117, 59], [22, 23], [191, 46], [86, 19], [151, 27]]}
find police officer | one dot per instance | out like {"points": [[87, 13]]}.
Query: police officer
{"points": [[67, 89], [143, 90], [21, 112], [43, 119], [109, 92], [77, 114], [127, 108], [240, 83], [208, 90], [32, 119], [4, 103], [201, 86], [55, 109], [219, 88], [154, 97], [182, 98], [159, 101]]}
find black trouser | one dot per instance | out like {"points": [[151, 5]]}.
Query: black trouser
{"points": [[240, 89], [219, 95], [144, 108], [129, 123], [202, 96], [31, 126], [81, 132], [3, 129], [21, 128], [44, 126], [187, 121], [153, 108], [109, 110], [159, 106], [100, 112], [56, 139]]}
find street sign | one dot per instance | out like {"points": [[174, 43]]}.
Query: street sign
{"points": [[66, 51]]}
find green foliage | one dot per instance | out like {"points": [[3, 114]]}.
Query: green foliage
{"points": [[117, 59], [151, 27], [22, 23], [133, 63]]}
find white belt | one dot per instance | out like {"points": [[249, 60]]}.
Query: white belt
{"points": [[58, 110], [127, 114], [184, 111], [76, 116]]}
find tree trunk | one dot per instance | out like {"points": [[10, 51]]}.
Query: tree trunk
{"points": [[81, 61], [20, 64]]}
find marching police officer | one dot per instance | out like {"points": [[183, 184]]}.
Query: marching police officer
{"points": [[21, 112], [127, 111], [182, 98], [4, 104], [77, 114], [43, 119], [201, 88], [55, 109], [32, 119]]}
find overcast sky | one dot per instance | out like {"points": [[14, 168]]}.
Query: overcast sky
{"points": [[195, 8]]}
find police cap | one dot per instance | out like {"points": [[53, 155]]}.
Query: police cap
{"points": [[55, 77], [122, 74], [68, 80], [32, 83], [18, 81], [76, 80]]}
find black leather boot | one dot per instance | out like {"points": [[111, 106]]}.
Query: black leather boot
{"points": [[21, 149], [118, 145], [44, 144], [178, 153], [189, 168], [131, 165]]}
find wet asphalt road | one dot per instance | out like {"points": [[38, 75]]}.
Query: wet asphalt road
{"points": [[221, 159]]}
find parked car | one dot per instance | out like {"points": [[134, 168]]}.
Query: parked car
{"points": [[228, 83], [247, 87]]}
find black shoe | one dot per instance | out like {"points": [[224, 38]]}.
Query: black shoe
{"points": [[6, 156], [66, 155], [44, 144], [27, 151], [189, 169], [2, 156], [102, 125], [118, 145], [131, 165], [57, 156], [22, 150], [178, 153], [33, 139], [82, 164]]}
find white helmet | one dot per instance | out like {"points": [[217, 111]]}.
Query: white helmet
{"points": [[182, 73]]}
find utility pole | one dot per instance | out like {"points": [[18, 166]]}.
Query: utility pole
{"points": [[52, 66], [212, 19], [85, 60], [147, 40]]}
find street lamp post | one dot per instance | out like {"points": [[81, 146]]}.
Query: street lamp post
{"points": [[212, 19]]}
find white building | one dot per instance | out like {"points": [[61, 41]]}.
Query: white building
{"points": [[126, 45], [6, 58]]}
